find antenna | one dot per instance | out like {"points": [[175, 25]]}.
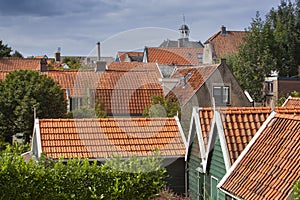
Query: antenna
{"points": [[183, 18]]}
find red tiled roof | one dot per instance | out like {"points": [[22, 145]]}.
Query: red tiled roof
{"points": [[174, 56], [101, 138], [240, 124], [75, 81], [292, 101], [134, 67], [271, 165], [127, 92], [195, 78], [122, 54], [228, 43], [12, 64]]}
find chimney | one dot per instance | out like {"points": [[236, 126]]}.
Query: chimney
{"points": [[223, 30], [57, 55], [98, 45], [43, 64], [100, 65]]}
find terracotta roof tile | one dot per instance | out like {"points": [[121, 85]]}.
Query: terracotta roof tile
{"points": [[226, 44], [125, 136], [131, 54], [240, 124], [192, 78], [271, 165], [292, 101], [12, 64], [174, 56]]}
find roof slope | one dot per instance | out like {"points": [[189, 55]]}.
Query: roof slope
{"points": [[133, 56], [173, 56], [12, 64], [271, 165], [101, 138], [192, 79], [292, 101], [225, 44], [240, 124]]}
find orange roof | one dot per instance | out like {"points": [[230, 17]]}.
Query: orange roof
{"points": [[127, 92], [121, 92], [173, 56], [270, 165], [102, 138], [12, 64], [192, 78], [75, 81], [292, 101], [240, 124], [228, 43], [134, 67], [131, 54]]}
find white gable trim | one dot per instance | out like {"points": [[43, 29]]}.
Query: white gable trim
{"points": [[195, 121], [286, 101], [181, 131], [223, 142], [252, 141], [211, 140], [37, 137]]}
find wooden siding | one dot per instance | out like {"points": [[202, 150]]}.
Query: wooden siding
{"points": [[176, 175], [217, 167], [193, 163]]}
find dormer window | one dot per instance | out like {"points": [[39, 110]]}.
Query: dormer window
{"points": [[221, 95]]}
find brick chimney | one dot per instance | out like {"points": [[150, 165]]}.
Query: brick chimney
{"points": [[223, 30], [57, 55], [43, 64]]}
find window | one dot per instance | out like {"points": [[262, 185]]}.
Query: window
{"points": [[200, 57], [214, 192], [221, 95]]}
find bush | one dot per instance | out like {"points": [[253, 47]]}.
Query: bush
{"points": [[79, 179]]}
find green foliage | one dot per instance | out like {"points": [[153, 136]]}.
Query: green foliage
{"points": [[4, 50], [72, 62], [162, 107], [19, 94], [283, 98], [77, 179], [86, 111], [296, 189], [17, 54], [271, 45]]}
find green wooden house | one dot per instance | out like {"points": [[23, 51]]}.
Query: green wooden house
{"points": [[216, 138]]}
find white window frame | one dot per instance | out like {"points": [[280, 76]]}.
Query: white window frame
{"points": [[211, 178]]}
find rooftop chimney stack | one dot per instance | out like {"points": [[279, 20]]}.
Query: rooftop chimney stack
{"points": [[223, 30], [57, 55], [100, 65], [99, 55]]}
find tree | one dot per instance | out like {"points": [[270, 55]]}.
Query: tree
{"points": [[72, 62], [296, 189], [20, 93], [162, 107], [271, 45], [17, 54], [4, 50]]}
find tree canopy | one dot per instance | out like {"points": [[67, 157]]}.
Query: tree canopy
{"points": [[6, 51], [271, 45], [20, 93]]}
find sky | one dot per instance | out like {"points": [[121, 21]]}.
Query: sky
{"points": [[40, 27]]}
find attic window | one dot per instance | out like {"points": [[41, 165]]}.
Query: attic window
{"points": [[200, 57], [186, 78], [221, 95]]}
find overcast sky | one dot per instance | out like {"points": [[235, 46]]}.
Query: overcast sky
{"points": [[39, 27]]}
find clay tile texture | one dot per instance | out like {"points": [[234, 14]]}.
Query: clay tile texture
{"points": [[292, 101], [174, 56], [240, 124], [12, 64], [271, 164], [192, 78], [225, 44], [102, 138]]}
